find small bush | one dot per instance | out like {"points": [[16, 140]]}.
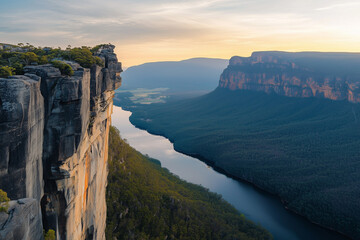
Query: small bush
{"points": [[4, 201], [43, 60], [97, 47], [99, 62], [50, 235], [6, 71], [19, 68], [64, 68], [83, 56], [30, 58]]}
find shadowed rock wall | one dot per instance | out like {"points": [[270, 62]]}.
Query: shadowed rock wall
{"points": [[21, 136]]}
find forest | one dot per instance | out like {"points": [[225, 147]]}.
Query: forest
{"points": [[146, 201], [304, 150], [13, 58]]}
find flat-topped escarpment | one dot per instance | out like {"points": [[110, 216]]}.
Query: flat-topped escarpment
{"points": [[334, 76], [54, 142]]}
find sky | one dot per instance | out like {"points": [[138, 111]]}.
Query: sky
{"points": [[162, 30]]}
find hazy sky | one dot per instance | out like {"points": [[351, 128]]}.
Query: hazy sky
{"points": [[155, 30]]}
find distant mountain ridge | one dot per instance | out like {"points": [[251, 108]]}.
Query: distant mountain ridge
{"points": [[334, 76], [196, 74]]}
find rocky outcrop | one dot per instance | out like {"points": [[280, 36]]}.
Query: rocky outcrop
{"points": [[61, 126], [326, 75], [23, 221]]}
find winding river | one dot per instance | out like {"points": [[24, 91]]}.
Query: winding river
{"points": [[256, 205]]}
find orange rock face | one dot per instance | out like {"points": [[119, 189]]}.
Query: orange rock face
{"points": [[274, 72]]}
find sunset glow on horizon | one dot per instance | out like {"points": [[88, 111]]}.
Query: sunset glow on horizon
{"points": [[148, 31]]}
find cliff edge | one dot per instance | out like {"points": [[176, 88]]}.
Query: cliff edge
{"points": [[53, 142], [334, 76]]}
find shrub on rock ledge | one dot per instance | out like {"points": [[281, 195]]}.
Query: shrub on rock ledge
{"points": [[49, 235], [4, 201], [83, 56], [64, 68], [6, 71]]}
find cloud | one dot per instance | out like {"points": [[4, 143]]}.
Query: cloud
{"points": [[339, 5], [168, 29]]}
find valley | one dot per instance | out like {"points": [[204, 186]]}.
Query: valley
{"points": [[257, 206], [302, 150], [180, 120], [146, 201]]}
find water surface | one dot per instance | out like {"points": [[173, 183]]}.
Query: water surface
{"points": [[256, 205]]}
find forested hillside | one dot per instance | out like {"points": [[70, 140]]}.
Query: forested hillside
{"points": [[146, 201], [305, 150]]}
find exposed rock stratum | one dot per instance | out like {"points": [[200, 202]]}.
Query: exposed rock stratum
{"points": [[334, 76]]}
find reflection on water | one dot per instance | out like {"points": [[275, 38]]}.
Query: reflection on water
{"points": [[255, 205]]}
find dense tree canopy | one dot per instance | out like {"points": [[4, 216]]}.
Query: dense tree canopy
{"points": [[14, 58], [146, 201]]}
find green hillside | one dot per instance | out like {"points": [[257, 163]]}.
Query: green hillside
{"points": [[306, 150], [146, 201]]}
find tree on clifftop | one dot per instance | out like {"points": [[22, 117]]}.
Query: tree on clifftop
{"points": [[6, 71], [30, 57]]}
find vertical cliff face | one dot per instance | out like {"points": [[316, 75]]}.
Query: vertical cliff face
{"points": [[21, 136], [327, 75], [66, 143]]}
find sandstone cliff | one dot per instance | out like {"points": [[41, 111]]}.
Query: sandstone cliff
{"points": [[53, 143], [334, 76]]}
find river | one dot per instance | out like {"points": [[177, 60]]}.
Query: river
{"points": [[256, 205]]}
